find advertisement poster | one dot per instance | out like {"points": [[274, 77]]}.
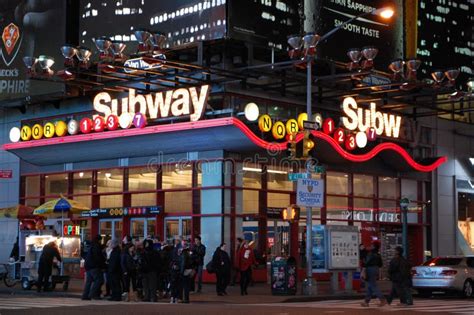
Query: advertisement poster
{"points": [[386, 35], [29, 28], [344, 249], [319, 249]]}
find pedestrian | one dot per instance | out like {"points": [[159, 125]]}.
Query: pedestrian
{"points": [[165, 271], [15, 253], [129, 272], [246, 260], [114, 271], [399, 271], [362, 255], [45, 268], [198, 253], [108, 251], [175, 275], [222, 266], [187, 271], [235, 265], [149, 269], [372, 264], [94, 265]]}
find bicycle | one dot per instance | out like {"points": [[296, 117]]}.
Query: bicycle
{"points": [[8, 274]]}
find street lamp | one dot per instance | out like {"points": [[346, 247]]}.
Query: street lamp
{"points": [[309, 42]]}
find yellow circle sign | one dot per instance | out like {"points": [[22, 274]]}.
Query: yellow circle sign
{"points": [[292, 126], [278, 130], [37, 131], [302, 117], [61, 128], [25, 133], [49, 130], [265, 123]]}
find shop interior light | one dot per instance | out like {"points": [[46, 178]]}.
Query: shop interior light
{"points": [[81, 174], [259, 170], [108, 175], [386, 12]]}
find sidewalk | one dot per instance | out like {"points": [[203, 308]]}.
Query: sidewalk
{"points": [[258, 294]]}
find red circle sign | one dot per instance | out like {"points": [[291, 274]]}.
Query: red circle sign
{"points": [[350, 143], [85, 125], [328, 126], [99, 123], [112, 122], [339, 135], [139, 120]]}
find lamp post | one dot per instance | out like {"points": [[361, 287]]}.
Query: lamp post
{"points": [[306, 47], [404, 202]]}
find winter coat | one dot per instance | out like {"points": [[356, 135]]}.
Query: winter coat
{"points": [[151, 261], [186, 261], [373, 259], [50, 251], [246, 258], [199, 251], [115, 266], [399, 270], [128, 263], [95, 258], [221, 261]]}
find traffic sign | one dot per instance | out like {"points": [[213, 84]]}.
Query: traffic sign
{"points": [[310, 193], [310, 125], [293, 177]]}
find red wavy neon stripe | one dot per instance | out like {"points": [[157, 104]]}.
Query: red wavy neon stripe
{"points": [[348, 156]]}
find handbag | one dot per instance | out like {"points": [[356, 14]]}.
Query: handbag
{"points": [[210, 267], [188, 273]]}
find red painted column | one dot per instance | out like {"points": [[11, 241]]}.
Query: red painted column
{"points": [[196, 203], [262, 213], [294, 233]]}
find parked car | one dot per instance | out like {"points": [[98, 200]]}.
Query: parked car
{"points": [[447, 274]]}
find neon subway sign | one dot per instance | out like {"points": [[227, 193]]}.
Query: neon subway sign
{"points": [[132, 110], [357, 125]]}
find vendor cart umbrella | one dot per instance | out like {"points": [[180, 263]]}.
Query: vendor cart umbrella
{"points": [[61, 205], [16, 212]]}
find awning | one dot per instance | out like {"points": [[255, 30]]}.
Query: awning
{"points": [[228, 134]]}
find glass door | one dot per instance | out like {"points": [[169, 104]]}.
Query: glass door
{"points": [[177, 227], [142, 228], [111, 227]]}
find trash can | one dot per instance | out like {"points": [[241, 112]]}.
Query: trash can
{"points": [[283, 275]]}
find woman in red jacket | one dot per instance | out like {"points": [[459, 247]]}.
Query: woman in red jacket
{"points": [[246, 260]]}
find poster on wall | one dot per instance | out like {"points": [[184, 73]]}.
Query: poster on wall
{"points": [[29, 28], [467, 231], [386, 35], [343, 247], [319, 249]]}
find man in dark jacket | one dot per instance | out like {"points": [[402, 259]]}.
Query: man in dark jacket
{"points": [[45, 268], [372, 264], [198, 253], [222, 265], [94, 265], [115, 272], [149, 269], [399, 271]]}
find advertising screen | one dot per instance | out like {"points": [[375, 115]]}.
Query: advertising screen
{"points": [[29, 28], [371, 30]]}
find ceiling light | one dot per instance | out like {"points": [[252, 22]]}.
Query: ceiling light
{"points": [[277, 172], [252, 169]]}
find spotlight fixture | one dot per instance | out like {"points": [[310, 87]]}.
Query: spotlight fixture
{"points": [[438, 76], [30, 63], [65, 74], [386, 12], [296, 43], [396, 66], [355, 55], [103, 44], [68, 53], [451, 75], [158, 40], [117, 49], [46, 62], [369, 53], [143, 38], [84, 54], [310, 40], [405, 70]]}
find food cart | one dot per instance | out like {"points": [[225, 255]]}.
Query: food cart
{"points": [[69, 248]]}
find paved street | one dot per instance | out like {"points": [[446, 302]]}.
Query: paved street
{"points": [[70, 306]]}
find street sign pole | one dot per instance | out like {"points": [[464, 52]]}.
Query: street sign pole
{"points": [[404, 202]]}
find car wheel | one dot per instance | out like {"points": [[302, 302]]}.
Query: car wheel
{"points": [[467, 289], [25, 284], [425, 293]]}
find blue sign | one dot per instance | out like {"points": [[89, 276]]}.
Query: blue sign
{"points": [[319, 249]]}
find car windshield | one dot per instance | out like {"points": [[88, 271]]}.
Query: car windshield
{"points": [[443, 261]]}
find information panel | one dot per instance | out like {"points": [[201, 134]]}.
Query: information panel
{"points": [[344, 247]]}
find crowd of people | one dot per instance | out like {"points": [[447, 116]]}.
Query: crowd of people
{"points": [[132, 270]]}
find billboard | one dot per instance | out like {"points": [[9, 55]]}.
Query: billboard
{"points": [[386, 35], [29, 28]]}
